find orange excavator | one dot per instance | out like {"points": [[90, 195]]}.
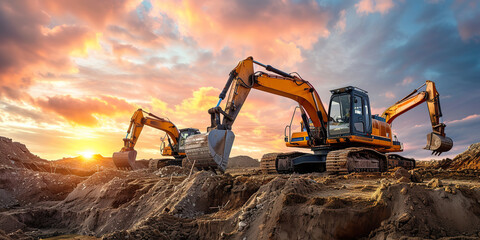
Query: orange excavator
{"points": [[175, 138], [345, 139]]}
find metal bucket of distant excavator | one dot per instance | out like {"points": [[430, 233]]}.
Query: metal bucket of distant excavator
{"points": [[125, 160], [210, 149], [438, 144]]}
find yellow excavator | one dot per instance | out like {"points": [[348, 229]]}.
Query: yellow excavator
{"points": [[126, 158], [346, 139]]}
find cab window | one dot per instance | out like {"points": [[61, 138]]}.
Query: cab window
{"points": [[339, 113]]}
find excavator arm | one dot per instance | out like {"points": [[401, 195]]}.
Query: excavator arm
{"points": [[436, 141], [215, 146], [127, 155], [137, 123], [284, 84]]}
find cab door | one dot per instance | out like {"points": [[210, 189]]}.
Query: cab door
{"points": [[360, 116]]}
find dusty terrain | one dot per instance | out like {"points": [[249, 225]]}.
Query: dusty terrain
{"points": [[437, 200]]}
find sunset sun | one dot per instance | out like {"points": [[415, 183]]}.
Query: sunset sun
{"points": [[87, 154]]}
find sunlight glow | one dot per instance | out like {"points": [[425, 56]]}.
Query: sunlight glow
{"points": [[87, 154]]}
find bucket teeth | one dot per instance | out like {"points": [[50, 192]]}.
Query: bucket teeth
{"points": [[210, 150]]}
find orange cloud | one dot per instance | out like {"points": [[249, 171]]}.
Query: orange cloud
{"points": [[266, 29], [29, 48], [93, 12], [120, 50], [83, 111], [372, 6]]}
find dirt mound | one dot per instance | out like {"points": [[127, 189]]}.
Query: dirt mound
{"points": [[15, 154], [169, 204], [172, 171], [242, 161], [21, 187], [418, 211], [173, 203], [95, 163], [17, 235], [112, 200], [470, 159]]}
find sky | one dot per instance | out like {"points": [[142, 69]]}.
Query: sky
{"points": [[73, 72]]}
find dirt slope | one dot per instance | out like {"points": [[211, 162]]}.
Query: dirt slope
{"points": [[171, 203], [470, 159], [15, 154], [142, 205]]}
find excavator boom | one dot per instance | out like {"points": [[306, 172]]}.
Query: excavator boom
{"points": [[213, 148]]}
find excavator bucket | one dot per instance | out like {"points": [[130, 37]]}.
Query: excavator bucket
{"points": [[209, 150], [438, 143], [125, 160]]}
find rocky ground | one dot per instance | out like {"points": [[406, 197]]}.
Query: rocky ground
{"points": [[435, 201]]}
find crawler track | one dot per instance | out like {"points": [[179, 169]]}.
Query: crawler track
{"points": [[395, 160], [156, 164], [267, 163], [356, 160]]}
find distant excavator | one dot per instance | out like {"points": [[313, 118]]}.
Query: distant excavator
{"points": [[126, 158], [346, 139]]}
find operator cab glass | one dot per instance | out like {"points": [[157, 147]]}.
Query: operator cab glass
{"points": [[184, 133], [339, 112], [349, 113]]}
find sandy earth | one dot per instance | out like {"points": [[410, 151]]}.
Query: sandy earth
{"points": [[171, 203]]}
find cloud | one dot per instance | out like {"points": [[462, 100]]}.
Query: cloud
{"points": [[465, 119], [83, 111], [94, 13], [14, 111], [406, 81], [268, 29], [467, 14], [191, 111], [342, 21], [120, 50], [389, 94], [29, 47], [372, 6]]}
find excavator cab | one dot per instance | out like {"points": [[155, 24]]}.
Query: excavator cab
{"points": [[349, 113], [184, 134], [179, 150]]}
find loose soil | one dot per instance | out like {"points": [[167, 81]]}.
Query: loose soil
{"points": [[173, 203]]}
